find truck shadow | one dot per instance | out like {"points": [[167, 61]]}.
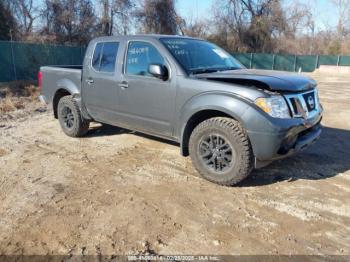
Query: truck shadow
{"points": [[100, 130], [328, 157], [108, 130]]}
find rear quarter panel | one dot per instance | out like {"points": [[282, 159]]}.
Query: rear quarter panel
{"points": [[55, 78]]}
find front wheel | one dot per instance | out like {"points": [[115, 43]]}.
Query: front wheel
{"points": [[220, 151], [70, 118]]}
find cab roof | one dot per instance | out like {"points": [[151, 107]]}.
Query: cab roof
{"points": [[138, 36]]}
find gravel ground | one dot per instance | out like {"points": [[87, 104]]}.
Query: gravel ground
{"points": [[119, 192]]}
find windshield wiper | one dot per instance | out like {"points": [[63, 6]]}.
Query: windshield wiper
{"points": [[204, 70], [229, 68]]}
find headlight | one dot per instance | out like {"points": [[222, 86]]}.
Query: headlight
{"points": [[275, 106]]}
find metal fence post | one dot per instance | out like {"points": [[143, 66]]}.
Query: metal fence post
{"points": [[273, 61], [338, 61], [295, 63], [317, 60], [251, 60], [13, 57]]}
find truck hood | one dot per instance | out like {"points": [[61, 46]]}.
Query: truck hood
{"points": [[265, 79]]}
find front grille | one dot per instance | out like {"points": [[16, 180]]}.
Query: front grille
{"points": [[310, 101], [293, 102], [303, 104]]}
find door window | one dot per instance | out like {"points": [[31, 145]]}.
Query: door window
{"points": [[104, 57], [140, 55], [97, 56]]}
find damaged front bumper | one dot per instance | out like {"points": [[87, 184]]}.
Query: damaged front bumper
{"points": [[285, 138]]}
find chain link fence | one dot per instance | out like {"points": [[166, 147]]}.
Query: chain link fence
{"points": [[21, 61]]}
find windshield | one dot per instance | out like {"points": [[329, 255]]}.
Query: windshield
{"points": [[198, 56]]}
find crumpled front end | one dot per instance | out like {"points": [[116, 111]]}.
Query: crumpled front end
{"points": [[283, 137]]}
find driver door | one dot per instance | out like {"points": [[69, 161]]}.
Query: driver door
{"points": [[146, 103]]}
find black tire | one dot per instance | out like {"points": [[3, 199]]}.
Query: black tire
{"points": [[209, 147], [70, 118]]}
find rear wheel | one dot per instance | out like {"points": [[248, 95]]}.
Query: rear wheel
{"points": [[70, 118], [220, 151]]}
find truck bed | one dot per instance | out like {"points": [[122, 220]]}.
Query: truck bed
{"points": [[61, 76], [65, 66]]}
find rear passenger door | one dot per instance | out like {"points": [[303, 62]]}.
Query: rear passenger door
{"points": [[100, 82]]}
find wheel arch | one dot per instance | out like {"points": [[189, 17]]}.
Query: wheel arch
{"points": [[64, 87], [61, 92], [205, 106], [195, 120]]}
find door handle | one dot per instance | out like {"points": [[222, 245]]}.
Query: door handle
{"points": [[123, 84], [89, 81]]}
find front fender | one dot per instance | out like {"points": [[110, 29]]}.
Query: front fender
{"points": [[227, 103]]}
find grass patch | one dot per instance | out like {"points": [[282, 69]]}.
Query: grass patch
{"points": [[16, 95]]}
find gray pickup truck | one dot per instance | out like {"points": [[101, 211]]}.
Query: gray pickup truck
{"points": [[229, 119]]}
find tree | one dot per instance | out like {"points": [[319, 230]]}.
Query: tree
{"points": [[193, 27], [254, 23], [343, 7], [25, 13], [158, 16], [69, 21], [8, 23], [116, 16], [343, 27], [299, 30], [122, 11], [106, 23]]}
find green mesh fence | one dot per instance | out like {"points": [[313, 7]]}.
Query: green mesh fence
{"points": [[21, 61], [344, 61], [293, 63], [284, 62], [6, 66], [262, 61], [327, 60], [306, 63], [244, 58]]}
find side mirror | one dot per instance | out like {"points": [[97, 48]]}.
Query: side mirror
{"points": [[158, 71]]}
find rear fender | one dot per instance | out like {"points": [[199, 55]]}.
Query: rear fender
{"points": [[68, 85]]}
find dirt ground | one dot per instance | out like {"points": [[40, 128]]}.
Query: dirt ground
{"points": [[116, 192]]}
